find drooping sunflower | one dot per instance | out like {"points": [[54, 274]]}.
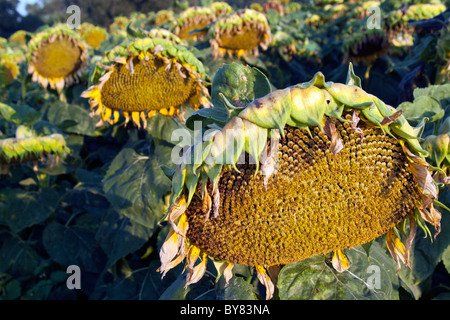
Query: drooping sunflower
{"points": [[57, 57], [19, 37], [193, 18], [315, 168], [9, 68], [31, 149], [221, 8], [146, 76], [92, 35], [240, 33], [366, 46]]}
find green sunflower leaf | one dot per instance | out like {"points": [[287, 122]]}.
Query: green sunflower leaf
{"points": [[422, 107], [27, 208], [239, 85], [19, 114], [71, 118], [134, 184], [74, 243], [368, 278]]}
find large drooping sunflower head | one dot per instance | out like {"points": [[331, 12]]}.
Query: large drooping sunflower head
{"points": [[93, 35], [314, 168], [146, 76], [193, 18], [365, 45], [15, 151], [57, 57], [240, 33]]}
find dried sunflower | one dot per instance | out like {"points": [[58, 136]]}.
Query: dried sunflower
{"points": [[19, 150], [193, 18], [57, 57], [340, 169], [145, 76], [240, 33]]}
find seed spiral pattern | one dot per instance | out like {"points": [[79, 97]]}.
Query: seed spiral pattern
{"points": [[59, 58], [316, 203], [151, 87]]}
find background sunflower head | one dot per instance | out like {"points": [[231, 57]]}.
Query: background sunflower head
{"points": [[9, 68], [57, 57], [146, 76], [193, 18], [240, 33], [93, 35], [14, 151]]}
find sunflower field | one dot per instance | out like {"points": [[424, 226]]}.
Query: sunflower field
{"points": [[279, 151]]}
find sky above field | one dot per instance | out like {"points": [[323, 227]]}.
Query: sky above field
{"points": [[22, 5]]}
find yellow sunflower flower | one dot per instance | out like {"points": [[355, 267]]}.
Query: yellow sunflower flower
{"points": [[57, 58], [240, 33], [9, 70], [93, 35], [144, 77], [193, 18], [334, 167]]}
